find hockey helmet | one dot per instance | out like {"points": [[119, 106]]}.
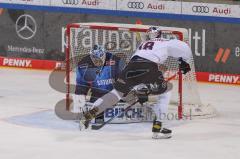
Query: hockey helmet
{"points": [[153, 32], [98, 55]]}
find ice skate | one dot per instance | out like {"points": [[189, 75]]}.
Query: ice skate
{"points": [[159, 132]]}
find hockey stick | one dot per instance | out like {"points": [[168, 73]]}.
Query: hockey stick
{"points": [[97, 127]]}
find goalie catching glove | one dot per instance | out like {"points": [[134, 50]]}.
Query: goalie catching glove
{"points": [[184, 66]]}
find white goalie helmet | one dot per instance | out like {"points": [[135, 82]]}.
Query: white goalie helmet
{"points": [[153, 32], [98, 55]]}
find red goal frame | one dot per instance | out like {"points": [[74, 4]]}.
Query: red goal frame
{"points": [[102, 27]]}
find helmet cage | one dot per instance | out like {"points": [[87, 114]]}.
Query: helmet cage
{"points": [[98, 55], [153, 32]]}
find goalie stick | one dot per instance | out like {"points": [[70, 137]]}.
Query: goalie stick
{"points": [[97, 127]]}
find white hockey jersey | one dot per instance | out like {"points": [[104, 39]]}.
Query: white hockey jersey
{"points": [[158, 50]]}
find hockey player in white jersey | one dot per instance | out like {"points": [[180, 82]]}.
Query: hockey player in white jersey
{"points": [[143, 70]]}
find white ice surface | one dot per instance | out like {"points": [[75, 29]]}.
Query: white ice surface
{"points": [[30, 130]]}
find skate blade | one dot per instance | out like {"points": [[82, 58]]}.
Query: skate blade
{"points": [[161, 136]]}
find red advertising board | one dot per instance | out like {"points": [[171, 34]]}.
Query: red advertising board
{"points": [[31, 63], [51, 65]]}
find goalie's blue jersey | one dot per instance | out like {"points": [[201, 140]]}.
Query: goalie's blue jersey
{"points": [[99, 79]]}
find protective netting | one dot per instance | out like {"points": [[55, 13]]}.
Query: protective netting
{"points": [[123, 43]]}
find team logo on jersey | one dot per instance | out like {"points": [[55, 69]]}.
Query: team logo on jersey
{"points": [[105, 82]]}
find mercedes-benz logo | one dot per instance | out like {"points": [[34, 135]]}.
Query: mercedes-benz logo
{"points": [[26, 26]]}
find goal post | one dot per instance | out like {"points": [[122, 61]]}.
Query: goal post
{"points": [[122, 40]]}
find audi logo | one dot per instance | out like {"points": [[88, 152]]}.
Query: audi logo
{"points": [[200, 9], [135, 5], [72, 2]]}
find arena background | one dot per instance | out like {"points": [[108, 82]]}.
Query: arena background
{"points": [[209, 35]]}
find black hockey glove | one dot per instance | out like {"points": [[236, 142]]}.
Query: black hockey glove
{"points": [[142, 91], [142, 99], [184, 66]]}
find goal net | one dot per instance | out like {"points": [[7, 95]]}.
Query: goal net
{"points": [[122, 40]]}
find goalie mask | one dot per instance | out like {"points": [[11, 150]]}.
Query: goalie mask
{"points": [[98, 55], [153, 32]]}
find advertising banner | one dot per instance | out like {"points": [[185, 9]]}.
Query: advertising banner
{"points": [[31, 63], [29, 2], [208, 9], [90, 4], [27, 63], [41, 35], [132, 6], [27, 35], [219, 78], [149, 6]]}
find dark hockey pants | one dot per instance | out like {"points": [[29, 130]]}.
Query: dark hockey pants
{"points": [[138, 71]]}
